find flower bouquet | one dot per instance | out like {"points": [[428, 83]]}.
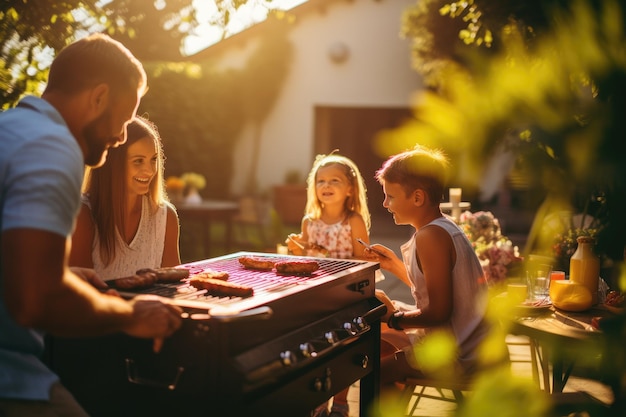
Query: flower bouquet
{"points": [[497, 254], [194, 180]]}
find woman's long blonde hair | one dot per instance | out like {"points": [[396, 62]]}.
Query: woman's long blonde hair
{"points": [[105, 187], [355, 203]]}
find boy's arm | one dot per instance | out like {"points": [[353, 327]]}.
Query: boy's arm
{"points": [[437, 256]]}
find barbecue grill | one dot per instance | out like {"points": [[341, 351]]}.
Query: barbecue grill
{"points": [[281, 352]]}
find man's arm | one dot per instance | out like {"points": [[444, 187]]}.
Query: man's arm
{"points": [[41, 292]]}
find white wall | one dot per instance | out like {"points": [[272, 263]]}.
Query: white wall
{"points": [[377, 73]]}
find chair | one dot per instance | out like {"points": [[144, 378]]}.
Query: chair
{"points": [[522, 350], [418, 388]]}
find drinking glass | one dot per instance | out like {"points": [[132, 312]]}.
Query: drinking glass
{"points": [[539, 280]]}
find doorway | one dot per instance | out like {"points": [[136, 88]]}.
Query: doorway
{"points": [[352, 131]]}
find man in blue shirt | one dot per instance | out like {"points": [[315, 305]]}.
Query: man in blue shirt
{"points": [[93, 91]]}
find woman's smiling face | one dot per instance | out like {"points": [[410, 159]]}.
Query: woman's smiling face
{"points": [[141, 165]]}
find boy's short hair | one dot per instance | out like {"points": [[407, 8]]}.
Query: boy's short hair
{"points": [[419, 168]]}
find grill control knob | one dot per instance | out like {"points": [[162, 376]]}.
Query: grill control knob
{"points": [[359, 323], [307, 350], [331, 337], [351, 328], [288, 358]]}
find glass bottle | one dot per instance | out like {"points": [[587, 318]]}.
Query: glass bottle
{"points": [[584, 266]]}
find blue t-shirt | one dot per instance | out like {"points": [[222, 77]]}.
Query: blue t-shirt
{"points": [[41, 171]]}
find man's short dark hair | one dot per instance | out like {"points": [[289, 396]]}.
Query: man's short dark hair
{"points": [[93, 60]]}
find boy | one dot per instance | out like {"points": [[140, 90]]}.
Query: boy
{"points": [[439, 265]]}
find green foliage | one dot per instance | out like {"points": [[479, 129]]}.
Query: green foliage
{"points": [[200, 111], [441, 31], [28, 37], [151, 30], [198, 118], [32, 32], [498, 393], [556, 102]]}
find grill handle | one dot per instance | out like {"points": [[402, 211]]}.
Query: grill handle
{"points": [[259, 313], [133, 377]]}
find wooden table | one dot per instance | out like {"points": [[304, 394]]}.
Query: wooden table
{"points": [[207, 212], [559, 338]]}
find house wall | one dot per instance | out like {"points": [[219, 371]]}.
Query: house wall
{"points": [[377, 73]]}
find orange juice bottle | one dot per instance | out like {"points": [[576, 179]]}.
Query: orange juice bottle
{"points": [[584, 266]]}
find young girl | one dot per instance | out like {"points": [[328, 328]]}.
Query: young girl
{"points": [[126, 222], [336, 216], [336, 213]]}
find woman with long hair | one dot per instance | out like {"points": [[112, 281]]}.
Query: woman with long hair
{"points": [[126, 222]]}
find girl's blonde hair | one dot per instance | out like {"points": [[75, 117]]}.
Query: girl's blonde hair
{"points": [[355, 203]]}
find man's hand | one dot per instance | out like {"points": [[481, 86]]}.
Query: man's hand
{"points": [[89, 275], [154, 318]]}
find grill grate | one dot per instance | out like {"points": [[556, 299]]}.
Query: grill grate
{"points": [[263, 282]]}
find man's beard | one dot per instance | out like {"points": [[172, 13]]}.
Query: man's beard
{"points": [[96, 145]]}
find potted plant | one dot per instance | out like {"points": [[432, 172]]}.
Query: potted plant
{"points": [[194, 182], [289, 198]]}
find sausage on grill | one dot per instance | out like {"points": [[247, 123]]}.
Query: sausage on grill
{"points": [[221, 288], [210, 273], [167, 274], [135, 282], [303, 267], [257, 262]]}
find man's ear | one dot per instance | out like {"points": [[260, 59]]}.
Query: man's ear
{"points": [[99, 98]]}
